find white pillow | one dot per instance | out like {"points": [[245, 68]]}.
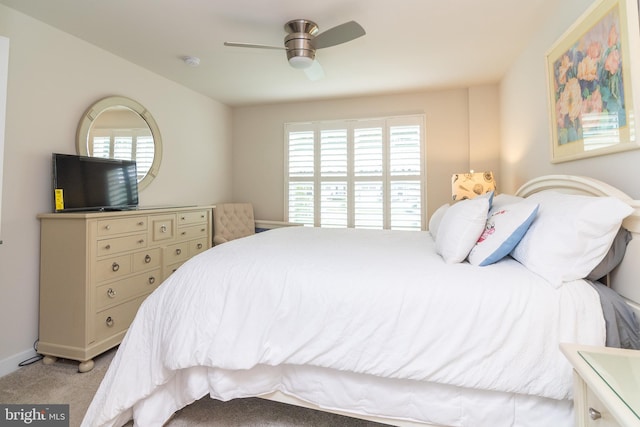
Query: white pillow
{"points": [[436, 218], [460, 228], [570, 236], [505, 226]]}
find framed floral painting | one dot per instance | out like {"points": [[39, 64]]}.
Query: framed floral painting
{"points": [[591, 90]]}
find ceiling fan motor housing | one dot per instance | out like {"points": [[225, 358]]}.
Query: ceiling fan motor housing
{"points": [[299, 42]]}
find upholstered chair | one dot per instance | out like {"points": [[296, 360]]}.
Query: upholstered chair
{"points": [[232, 221]]}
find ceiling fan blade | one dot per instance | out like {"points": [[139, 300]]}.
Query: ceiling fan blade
{"points": [[315, 71], [252, 45], [340, 34]]}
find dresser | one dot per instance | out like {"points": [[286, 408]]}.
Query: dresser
{"points": [[606, 385], [96, 269]]}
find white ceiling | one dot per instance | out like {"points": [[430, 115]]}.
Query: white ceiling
{"points": [[410, 44]]}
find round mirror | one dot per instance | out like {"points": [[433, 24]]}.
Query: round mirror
{"points": [[120, 128]]}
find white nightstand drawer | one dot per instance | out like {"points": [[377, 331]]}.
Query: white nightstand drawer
{"points": [[605, 385], [597, 414]]}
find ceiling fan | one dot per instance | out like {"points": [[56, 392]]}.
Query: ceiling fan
{"points": [[302, 41]]}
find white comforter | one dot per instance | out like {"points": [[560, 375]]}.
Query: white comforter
{"points": [[374, 302]]}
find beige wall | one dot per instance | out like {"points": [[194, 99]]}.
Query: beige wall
{"points": [[484, 129], [459, 123], [53, 78], [525, 134]]}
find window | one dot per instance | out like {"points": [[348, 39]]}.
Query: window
{"points": [[356, 173]]}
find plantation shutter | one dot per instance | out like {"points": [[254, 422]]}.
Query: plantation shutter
{"points": [[368, 158], [356, 173], [300, 173], [405, 175]]}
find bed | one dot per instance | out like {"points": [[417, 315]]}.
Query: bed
{"points": [[389, 326]]}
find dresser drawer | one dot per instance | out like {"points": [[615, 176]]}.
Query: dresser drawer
{"points": [[192, 232], [116, 319], [113, 226], [113, 268], [172, 269], [163, 227], [121, 244], [193, 217], [197, 246], [116, 292], [176, 253], [144, 260]]}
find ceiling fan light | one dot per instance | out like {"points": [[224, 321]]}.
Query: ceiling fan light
{"points": [[300, 62]]}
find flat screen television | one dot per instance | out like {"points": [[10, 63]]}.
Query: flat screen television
{"points": [[82, 183]]}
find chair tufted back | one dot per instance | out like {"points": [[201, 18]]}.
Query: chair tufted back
{"points": [[232, 221]]}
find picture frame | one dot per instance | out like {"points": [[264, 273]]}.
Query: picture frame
{"points": [[592, 97]]}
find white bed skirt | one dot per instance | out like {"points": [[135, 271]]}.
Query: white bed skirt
{"points": [[394, 401]]}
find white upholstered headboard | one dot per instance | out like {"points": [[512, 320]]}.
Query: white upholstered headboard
{"points": [[625, 279]]}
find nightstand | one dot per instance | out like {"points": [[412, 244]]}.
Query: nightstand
{"points": [[606, 385]]}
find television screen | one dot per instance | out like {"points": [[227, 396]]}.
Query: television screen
{"points": [[83, 183]]}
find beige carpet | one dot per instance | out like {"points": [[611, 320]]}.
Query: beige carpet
{"points": [[61, 383]]}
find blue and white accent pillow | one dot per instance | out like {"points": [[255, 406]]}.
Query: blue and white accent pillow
{"points": [[505, 227]]}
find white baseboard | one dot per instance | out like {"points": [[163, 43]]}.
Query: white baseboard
{"points": [[10, 364]]}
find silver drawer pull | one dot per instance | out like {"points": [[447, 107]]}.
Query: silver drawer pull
{"points": [[108, 227], [115, 266], [199, 246], [111, 293], [141, 241], [147, 259], [141, 223], [203, 229], [152, 280], [178, 251], [107, 247], [183, 233], [109, 321], [594, 414], [163, 228], [182, 218]]}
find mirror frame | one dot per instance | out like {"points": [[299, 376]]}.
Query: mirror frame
{"points": [[120, 101]]}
